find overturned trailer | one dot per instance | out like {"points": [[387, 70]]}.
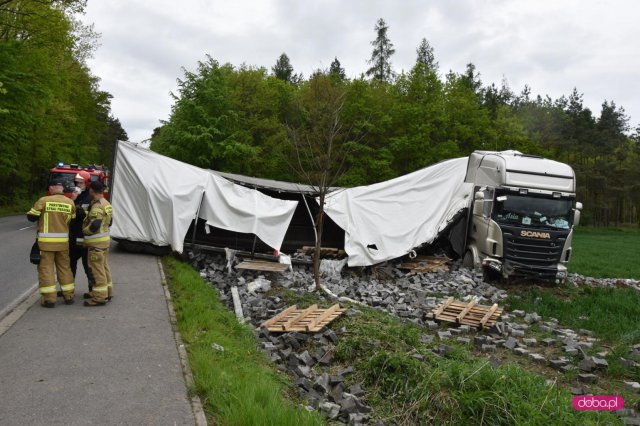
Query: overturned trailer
{"points": [[474, 205]]}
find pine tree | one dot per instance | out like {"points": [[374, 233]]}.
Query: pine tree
{"points": [[336, 71], [381, 56], [283, 69], [426, 57]]}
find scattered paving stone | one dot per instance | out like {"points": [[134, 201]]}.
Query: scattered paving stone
{"points": [[530, 342], [511, 343], [356, 390], [532, 318], [571, 350], [588, 378], [549, 342], [444, 335], [302, 371], [558, 363], [587, 365], [517, 333], [303, 382], [322, 384], [306, 359], [425, 339], [631, 421], [632, 386], [464, 340], [488, 348], [518, 313], [358, 418], [577, 391], [432, 325], [495, 362], [326, 358], [585, 332], [520, 351], [419, 357], [329, 410], [540, 359], [600, 363], [628, 364], [567, 368]]}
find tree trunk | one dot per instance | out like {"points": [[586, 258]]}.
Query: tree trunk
{"points": [[316, 254]]}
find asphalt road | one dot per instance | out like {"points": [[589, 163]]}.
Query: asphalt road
{"points": [[17, 275]]}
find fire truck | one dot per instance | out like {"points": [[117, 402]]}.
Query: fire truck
{"points": [[67, 172]]}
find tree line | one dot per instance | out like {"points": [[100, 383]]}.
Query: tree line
{"points": [[247, 120], [51, 106]]}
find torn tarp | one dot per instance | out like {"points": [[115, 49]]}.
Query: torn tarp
{"points": [[386, 220], [156, 198]]}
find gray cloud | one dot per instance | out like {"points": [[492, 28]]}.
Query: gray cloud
{"points": [[552, 46]]}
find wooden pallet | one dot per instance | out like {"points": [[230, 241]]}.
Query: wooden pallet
{"points": [[308, 320], [261, 265], [470, 313], [422, 264], [326, 252]]}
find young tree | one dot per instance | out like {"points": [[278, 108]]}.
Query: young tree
{"points": [[283, 69], [321, 143], [426, 56], [381, 56], [336, 71]]}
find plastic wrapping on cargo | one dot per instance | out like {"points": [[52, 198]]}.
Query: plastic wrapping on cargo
{"points": [[155, 199], [387, 220]]}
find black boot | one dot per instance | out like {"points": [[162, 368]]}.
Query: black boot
{"points": [[46, 304], [69, 301]]}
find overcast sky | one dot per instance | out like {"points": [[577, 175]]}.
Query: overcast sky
{"points": [[551, 45]]}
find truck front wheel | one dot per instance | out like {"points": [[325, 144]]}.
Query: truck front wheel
{"points": [[467, 261]]}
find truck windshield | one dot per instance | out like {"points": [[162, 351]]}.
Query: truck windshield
{"points": [[66, 178], [534, 212]]}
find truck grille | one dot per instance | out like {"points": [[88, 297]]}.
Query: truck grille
{"points": [[533, 257]]}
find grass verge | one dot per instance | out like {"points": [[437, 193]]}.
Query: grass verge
{"points": [[606, 252], [237, 386], [407, 384], [17, 208]]}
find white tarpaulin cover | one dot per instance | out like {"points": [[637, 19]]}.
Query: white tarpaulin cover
{"points": [[155, 199], [388, 219]]}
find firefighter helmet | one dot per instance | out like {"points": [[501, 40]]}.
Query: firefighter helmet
{"points": [[84, 176]]}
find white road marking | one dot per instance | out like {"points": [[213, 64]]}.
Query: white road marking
{"points": [[26, 227]]}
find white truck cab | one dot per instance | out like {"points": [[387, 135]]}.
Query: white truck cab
{"points": [[522, 215]]}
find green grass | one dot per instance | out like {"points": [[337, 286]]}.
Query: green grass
{"points": [[606, 252], [237, 386], [460, 389]]}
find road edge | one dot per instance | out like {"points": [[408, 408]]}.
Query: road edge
{"points": [[12, 313], [196, 403]]}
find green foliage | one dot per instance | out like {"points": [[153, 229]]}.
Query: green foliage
{"points": [[237, 386], [381, 56], [51, 108], [235, 119]]}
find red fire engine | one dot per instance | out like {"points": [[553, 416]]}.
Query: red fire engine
{"points": [[67, 172]]}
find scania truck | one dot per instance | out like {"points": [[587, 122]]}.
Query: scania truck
{"points": [[521, 217]]}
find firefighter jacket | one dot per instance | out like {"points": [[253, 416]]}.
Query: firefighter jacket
{"points": [[54, 213], [97, 223], [76, 237]]}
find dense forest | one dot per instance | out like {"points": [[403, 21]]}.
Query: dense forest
{"points": [[239, 119], [51, 106]]}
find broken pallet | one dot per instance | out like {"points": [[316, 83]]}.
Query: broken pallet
{"points": [[422, 264], [261, 265], [471, 314], [308, 320]]}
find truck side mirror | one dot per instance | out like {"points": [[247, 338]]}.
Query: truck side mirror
{"points": [[479, 195], [576, 217], [578, 205]]}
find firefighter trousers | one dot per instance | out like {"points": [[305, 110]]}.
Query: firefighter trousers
{"points": [[54, 263], [79, 252], [98, 262]]}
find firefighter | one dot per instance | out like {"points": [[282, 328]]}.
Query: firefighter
{"points": [[97, 239], [53, 214], [77, 250]]}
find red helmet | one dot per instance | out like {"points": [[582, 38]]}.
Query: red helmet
{"points": [[84, 175]]}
